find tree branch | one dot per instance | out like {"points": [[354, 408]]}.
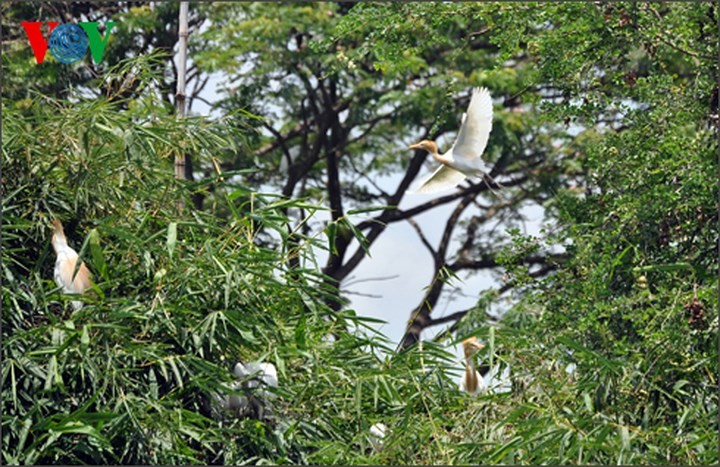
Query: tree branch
{"points": [[423, 239], [421, 315], [458, 315], [378, 224]]}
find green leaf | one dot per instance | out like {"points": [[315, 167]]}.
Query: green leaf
{"points": [[84, 338], [345, 225], [369, 209], [300, 330], [669, 267], [331, 231], [588, 402], [97, 254], [171, 238]]}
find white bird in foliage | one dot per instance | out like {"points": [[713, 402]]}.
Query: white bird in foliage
{"points": [[65, 263], [463, 159], [261, 374], [254, 376], [472, 381], [377, 436]]}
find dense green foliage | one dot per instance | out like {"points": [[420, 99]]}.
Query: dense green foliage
{"points": [[609, 116]]}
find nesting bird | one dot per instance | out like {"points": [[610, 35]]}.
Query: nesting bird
{"points": [[65, 264], [472, 382], [253, 376], [262, 374], [463, 159]]}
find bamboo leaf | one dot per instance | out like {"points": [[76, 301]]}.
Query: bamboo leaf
{"points": [[97, 254], [171, 238]]}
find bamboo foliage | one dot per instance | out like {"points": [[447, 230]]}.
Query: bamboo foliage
{"points": [[613, 359]]}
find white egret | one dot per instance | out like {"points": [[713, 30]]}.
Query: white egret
{"points": [[472, 382], [377, 436], [65, 266], [498, 379], [261, 374], [463, 159], [253, 376], [233, 402]]}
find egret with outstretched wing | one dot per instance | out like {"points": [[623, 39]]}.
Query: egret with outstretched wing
{"points": [[464, 157]]}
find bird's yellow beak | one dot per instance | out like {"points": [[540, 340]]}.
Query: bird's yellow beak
{"points": [[415, 146]]}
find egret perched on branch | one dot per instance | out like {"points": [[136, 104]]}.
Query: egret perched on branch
{"points": [[255, 377], [65, 263], [472, 382], [463, 158]]}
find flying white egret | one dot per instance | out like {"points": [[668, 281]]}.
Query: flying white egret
{"points": [[463, 159], [472, 382], [65, 266]]}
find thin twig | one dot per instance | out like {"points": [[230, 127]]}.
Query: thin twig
{"points": [[423, 239]]}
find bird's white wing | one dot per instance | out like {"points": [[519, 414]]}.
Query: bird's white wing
{"points": [[241, 371], [64, 268], [476, 125], [442, 179], [269, 374]]}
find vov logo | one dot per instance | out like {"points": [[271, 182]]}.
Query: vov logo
{"points": [[69, 42]]}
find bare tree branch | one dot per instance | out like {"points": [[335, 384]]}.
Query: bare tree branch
{"points": [[423, 239], [421, 316], [362, 174], [458, 315], [394, 215], [280, 139]]}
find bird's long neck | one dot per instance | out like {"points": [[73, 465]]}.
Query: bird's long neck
{"points": [[471, 375], [440, 158], [59, 241]]}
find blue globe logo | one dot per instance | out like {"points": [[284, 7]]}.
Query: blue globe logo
{"points": [[68, 43]]}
